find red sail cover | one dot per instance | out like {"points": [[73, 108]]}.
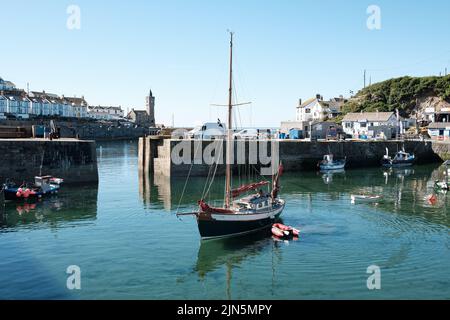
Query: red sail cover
{"points": [[250, 187]]}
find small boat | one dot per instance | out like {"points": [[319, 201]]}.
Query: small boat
{"points": [[442, 185], [365, 198], [43, 186], [329, 164], [281, 231], [401, 159]]}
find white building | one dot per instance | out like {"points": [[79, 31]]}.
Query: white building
{"points": [[6, 85], [79, 107], [17, 104], [316, 109], [3, 106], [371, 124], [105, 113]]}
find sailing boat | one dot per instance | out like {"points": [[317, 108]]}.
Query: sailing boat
{"points": [[240, 215]]}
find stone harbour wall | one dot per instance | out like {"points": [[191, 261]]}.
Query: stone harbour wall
{"points": [[73, 160]]}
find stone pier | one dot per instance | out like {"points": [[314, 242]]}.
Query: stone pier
{"points": [[296, 155], [73, 160]]}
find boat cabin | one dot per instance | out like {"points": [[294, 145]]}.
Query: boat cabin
{"points": [[401, 156], [254, 202], [328, 158], [44, 182]]}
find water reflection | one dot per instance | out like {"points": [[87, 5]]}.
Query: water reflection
{"points": [[73, 204], [404, 191], [232, 252], [327, 177]]}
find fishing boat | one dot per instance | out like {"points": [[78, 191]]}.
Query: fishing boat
{"points": [[330, 164], [42, 186], [239, 214], [360, 198], [401, 159]]}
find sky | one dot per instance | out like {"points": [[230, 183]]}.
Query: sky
{"points": [[284, 50]]}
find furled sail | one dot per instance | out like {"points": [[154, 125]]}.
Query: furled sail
{"points": [[246, 188]]}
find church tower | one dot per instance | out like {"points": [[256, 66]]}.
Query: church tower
{"points": [[150, 106]]}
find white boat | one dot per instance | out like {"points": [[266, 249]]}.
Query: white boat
{"points": [[365, 198], [329, 164]]}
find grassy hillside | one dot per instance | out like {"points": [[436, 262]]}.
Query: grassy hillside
{"points": [[401, 93]]}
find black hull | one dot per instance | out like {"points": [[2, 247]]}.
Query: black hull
{"points": [[210, 229], [11, 196]]}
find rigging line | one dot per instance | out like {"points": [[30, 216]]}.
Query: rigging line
{"points": [[207, 181], [187, 179], [215, 170]]}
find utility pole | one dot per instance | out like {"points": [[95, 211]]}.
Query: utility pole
{"points": [[364, 78]]}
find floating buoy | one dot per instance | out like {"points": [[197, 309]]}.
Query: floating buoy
{"points": [[432, 199], [26, 193]]}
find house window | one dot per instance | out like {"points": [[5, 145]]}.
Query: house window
{"points": [[363, 125], [348, 124], [307, 110]]}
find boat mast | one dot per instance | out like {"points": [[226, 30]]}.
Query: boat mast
{"points": [[229, 137]]}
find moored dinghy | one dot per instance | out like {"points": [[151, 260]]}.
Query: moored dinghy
{"points": [[361, 198], [284, 232]]}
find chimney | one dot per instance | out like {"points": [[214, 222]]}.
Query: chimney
{"points": [[299, 102], [318, 96]]}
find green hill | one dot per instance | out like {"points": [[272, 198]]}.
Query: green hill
{"points": [[402, 93]]}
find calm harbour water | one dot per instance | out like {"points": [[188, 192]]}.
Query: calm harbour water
{"points": [[129, 244]]}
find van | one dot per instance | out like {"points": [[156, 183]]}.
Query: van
{"points": [[210, 131]]}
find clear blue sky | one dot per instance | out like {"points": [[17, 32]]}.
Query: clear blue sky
{"points": [[285, 50]]}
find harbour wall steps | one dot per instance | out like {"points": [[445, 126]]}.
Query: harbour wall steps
{"points": [[73, 160], [296, 155]]}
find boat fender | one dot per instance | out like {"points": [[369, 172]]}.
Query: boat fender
{"points": [[26, 193]]}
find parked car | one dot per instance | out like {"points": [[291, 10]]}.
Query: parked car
{"points": [[246, 134], [210, 131], [191, 134]]}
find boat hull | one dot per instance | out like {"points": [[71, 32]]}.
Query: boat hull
{"points": [[230, 225], [337, 165], [10, 194]]}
